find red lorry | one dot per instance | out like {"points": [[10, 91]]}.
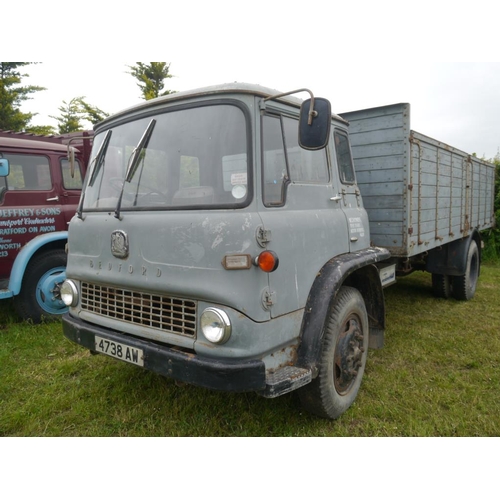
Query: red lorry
{"points": [[39, 193]]}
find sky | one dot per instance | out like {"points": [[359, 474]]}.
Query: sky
{"points": [[457, 103], [444, 61]]}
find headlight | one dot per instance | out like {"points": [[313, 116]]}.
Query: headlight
{"points": [[69, 293], [215, 325]]}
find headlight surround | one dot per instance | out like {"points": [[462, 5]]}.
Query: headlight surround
{"points": [[69, 293], [215, 325]]}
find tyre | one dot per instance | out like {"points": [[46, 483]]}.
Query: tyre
{"points": [[39, 297], [441, 286], [464, 287], [343, 357]]}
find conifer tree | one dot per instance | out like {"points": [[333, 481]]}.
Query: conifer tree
{"points": [[91, 113], [74, 112], [70, 117], [12, 95], [151, 78]]}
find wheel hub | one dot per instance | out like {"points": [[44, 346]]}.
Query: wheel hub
{"points": [[348, 355], [48, 294]]}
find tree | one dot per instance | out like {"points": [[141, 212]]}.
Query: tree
{"points": [[76, 111], [492, 236], [70, 118], [12, 95], [41, 129], [151, 78], [91, 113]]}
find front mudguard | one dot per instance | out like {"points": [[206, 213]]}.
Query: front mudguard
{"points": [[48, 240], [354, 269]]}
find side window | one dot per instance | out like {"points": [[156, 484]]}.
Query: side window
{"points": [[283, 159], [29, 173], [305, 166], [344, 158], [69, 182], [274, 162]]}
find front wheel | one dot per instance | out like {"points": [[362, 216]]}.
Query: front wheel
{"points": [[342, 359], [40, 297]]}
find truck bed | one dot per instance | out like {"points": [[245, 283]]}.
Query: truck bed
{"points": [[419, 193]]}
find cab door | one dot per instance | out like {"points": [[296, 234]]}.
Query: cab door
{"points": [[29, 206], [71, 187], [302, 224], [348, 195]]}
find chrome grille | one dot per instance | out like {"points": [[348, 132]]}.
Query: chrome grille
{"points": [[154, 311]]}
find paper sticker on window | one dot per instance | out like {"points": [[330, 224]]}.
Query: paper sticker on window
{"points": [[239, 179], [239, 191]]}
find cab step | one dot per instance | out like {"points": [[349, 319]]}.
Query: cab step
{"points": [[285, 380]]}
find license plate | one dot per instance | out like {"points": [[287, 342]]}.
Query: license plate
{"points": [[119, 351]]}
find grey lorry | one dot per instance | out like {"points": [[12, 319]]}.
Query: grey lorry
{"points": [[239, 239]]}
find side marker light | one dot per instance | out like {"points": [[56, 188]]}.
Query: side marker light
{"points": [[267, 261]]}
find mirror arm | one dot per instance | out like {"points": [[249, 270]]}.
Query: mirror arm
{"points": [[71, 153], [312, 113]]}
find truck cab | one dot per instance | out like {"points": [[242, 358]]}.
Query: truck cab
{"points": [[39, 193], [221, 240]]}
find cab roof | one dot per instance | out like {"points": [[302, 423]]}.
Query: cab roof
{"points": [[19, 143], [55, 143], [226, 88]]}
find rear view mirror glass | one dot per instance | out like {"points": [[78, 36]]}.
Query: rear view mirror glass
{"points": [[4, 167], [314, 124]]}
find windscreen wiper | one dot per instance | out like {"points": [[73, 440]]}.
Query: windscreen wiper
{"points": [[134, 161], [97, 162]]}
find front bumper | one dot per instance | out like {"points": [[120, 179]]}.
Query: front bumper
{"points": [[233, 376]]}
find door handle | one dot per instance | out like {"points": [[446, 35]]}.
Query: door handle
{"points": [[53, 199], [336, 198]]}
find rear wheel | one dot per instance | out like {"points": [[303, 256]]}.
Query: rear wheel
{"points": [[40, 297], [441, 286], [464, 287], [343, 357]]}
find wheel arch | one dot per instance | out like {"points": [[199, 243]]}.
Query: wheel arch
{"points": [[357, 270], [367, 281], [451, 259], [34, 247]]}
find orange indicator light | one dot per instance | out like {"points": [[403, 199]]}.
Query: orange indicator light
{"points": [[268, 261]]}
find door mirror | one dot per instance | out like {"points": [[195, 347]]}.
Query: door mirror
{"points": [[4, 167], [314, 123], [71, 159]]}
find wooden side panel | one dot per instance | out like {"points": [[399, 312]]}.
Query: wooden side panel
{"points": [[419, 193], [379, 142], [451, 193]]}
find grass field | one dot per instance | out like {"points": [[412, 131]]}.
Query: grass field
{"points": [[437, 375]]}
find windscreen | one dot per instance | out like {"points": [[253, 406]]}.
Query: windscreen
{"points": [[195, 157]]}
